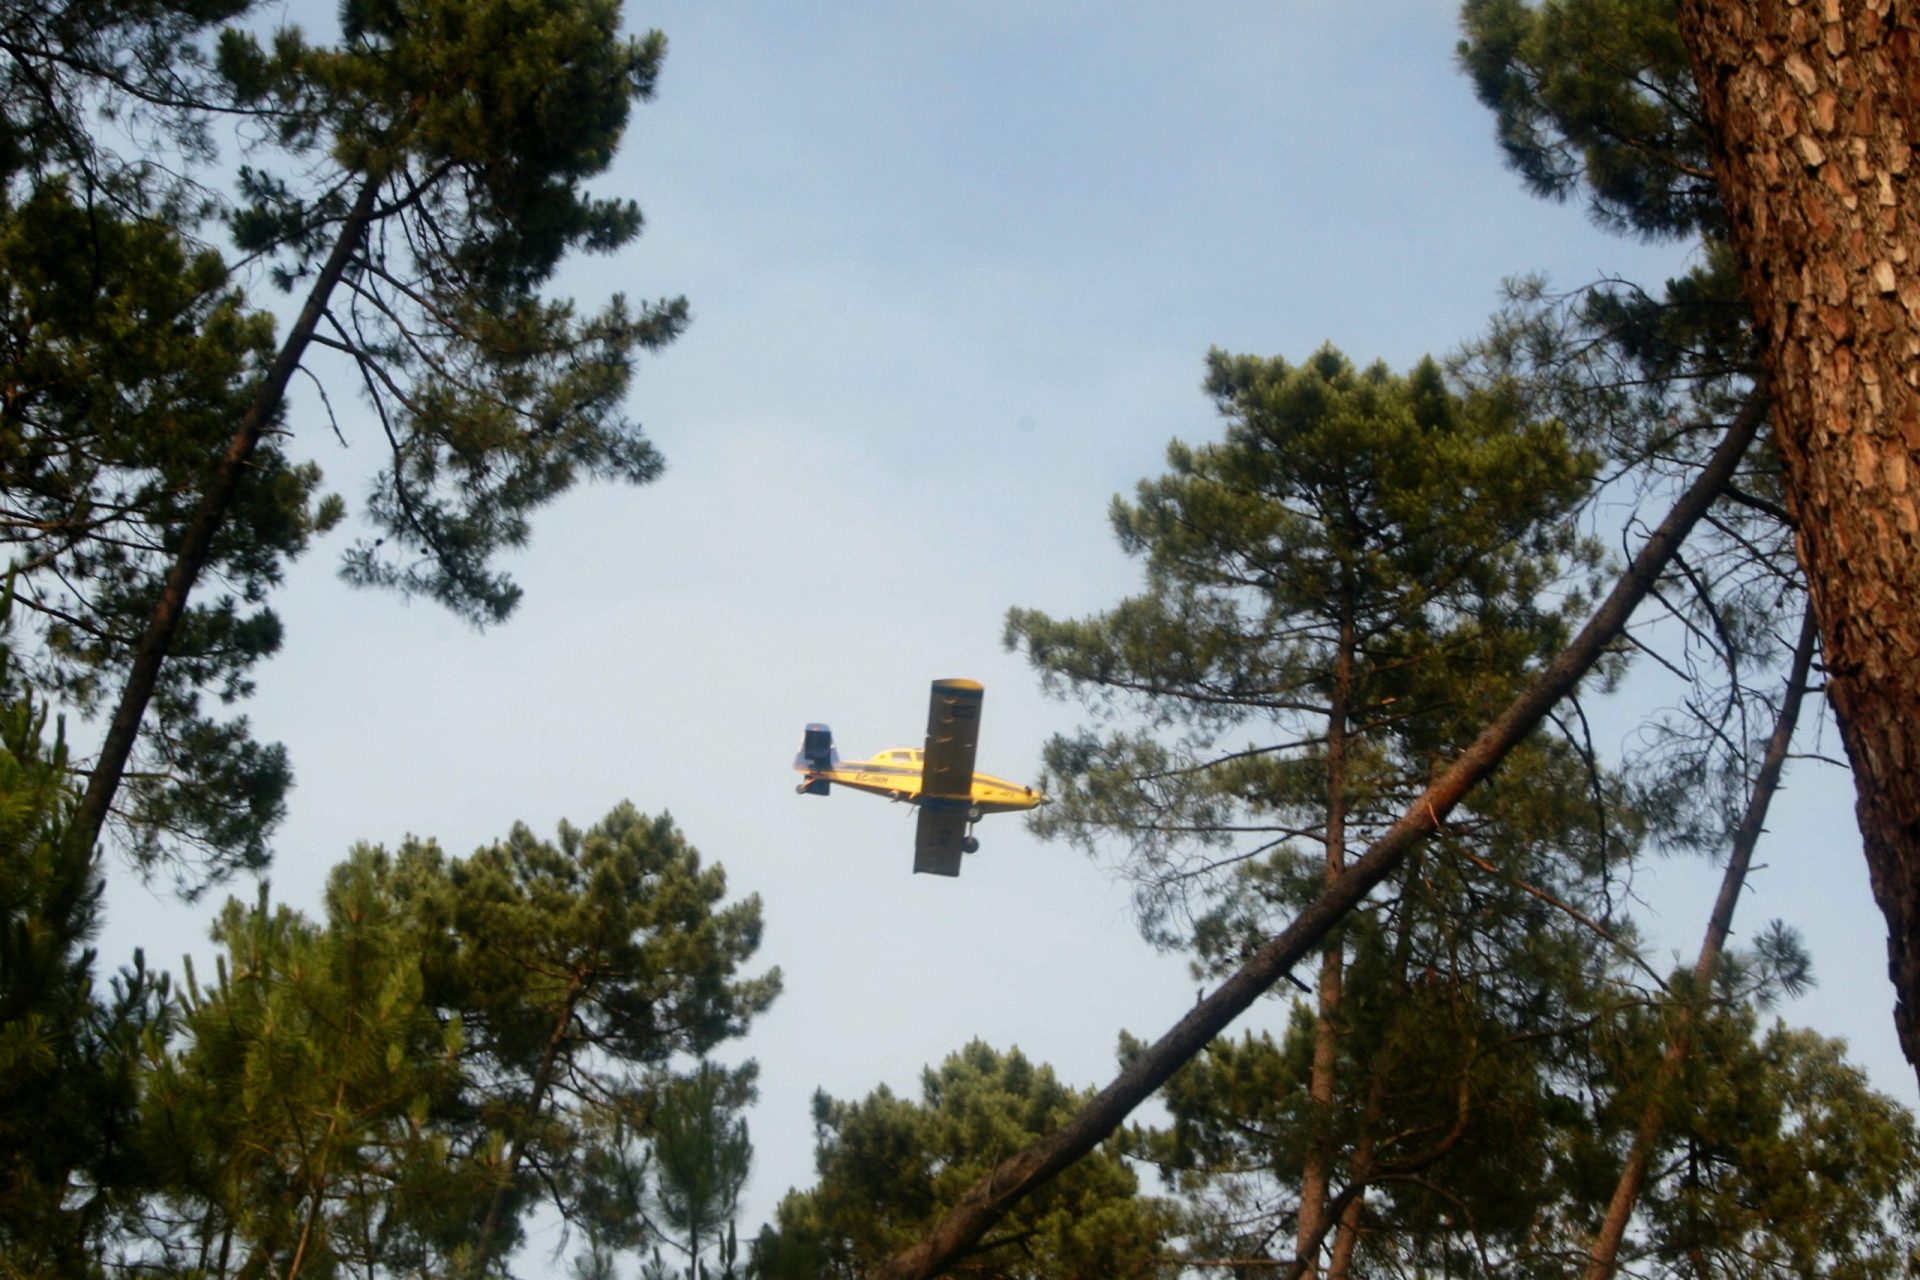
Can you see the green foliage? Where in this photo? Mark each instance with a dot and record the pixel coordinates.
(677, 1187)
(1455, 1060)
(364, 1091)
(1597, 94)
(1776, 1159)
(69, 1060)
(701, 1156)
(475, 123)
(129, 354)
(426, 176)
(1337, 596)
(1353, 517)
(611, 941)
(1785, 1160)
(890, 1167)
(134, 63)
(1451, 1119)
(394, 1090)
(294, 1122)
(123, 379)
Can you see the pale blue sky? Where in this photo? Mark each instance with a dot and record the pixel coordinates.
(953, 272)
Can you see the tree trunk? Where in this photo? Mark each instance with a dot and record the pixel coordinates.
(196, 539)
(484, 1243)
(1604, 1257)
(989, 1199)
(1366, 1150)
(1316, 1170)
(1815, 110)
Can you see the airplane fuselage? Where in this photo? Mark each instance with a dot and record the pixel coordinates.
(897, 774)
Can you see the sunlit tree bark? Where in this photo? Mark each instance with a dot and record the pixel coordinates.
(1813, 111)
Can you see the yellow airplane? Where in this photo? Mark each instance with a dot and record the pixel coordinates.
(939, 779)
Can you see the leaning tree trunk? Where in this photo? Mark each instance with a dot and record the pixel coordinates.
(1603, 1259)
(214, 508)
(1815, 108)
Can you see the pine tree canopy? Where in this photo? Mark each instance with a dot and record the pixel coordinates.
(1351, 521)
(1597, 95)
(71, 1049)
(420, 184)
(889, 1166)
(460, 1042)
(454, 138)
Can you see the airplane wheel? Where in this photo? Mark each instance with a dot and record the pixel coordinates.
(800, 790)
(969, 845)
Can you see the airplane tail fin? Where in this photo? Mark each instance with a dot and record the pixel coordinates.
(817, 756)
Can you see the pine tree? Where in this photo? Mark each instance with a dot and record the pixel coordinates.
(129, 351)
(701, 1157)
(1694, 988)
(1021, 1174)
(1777, 1159)
(419, 183)
(439, 153)
(888, 1166)
(1668, 383)
(1683, 119)
(289, 1121)
(1593, 99)
(1337, 594)
(597, 958)
(70, 1060)
(394, 1090)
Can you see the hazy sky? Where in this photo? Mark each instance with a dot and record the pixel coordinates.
(953, 272)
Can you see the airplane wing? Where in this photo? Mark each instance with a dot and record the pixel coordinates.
(936, 841)
(953, 733)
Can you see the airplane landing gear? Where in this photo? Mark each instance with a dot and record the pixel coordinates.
(968, 844)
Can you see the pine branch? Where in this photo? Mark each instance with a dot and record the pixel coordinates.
(196, 541)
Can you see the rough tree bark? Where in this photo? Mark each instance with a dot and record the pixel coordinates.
(989, 1199)
(1815, 110)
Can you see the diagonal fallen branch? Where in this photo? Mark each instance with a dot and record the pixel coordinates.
(988, 1200)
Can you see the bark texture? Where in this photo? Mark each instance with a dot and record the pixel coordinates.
(1815, 109)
